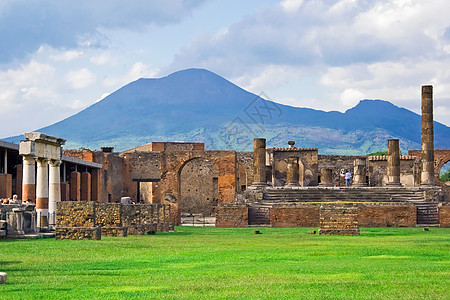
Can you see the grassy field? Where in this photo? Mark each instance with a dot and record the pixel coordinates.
(205, 263)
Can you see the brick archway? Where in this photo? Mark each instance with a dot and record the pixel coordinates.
(441, 157)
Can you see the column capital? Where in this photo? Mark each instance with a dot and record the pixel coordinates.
(42, 161)
(55, 162)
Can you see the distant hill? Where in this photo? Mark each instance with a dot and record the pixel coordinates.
(198, 105)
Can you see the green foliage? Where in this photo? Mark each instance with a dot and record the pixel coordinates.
(444, 177)
(211, 263)
(379, 153)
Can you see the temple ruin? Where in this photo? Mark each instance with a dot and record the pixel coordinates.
(280, 187)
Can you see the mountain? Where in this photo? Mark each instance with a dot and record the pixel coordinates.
(198, 105)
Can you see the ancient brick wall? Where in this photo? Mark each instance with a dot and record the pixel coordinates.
(444, 215)
(245, 173)
(80, 154)
(337, 163)
(339, 219)
(387, 215)
(108, 214)
(294, 216)
(110, 177)
(5, 185)
(231, 216)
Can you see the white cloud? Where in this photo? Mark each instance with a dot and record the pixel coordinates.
(102, 59)
(138, 70)
(67, 55)
(80, 79)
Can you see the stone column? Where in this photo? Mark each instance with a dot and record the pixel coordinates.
(5, 171)
(54, 193)
(393, 168)
(292, 172)
(42, 193)
(86, 186)
(427, 176)
(75, 186)
(29, 179)
(326, 177)
(259, 162)
(359, 171)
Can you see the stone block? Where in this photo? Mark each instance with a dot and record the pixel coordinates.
(232, 216)
(444, 215)
(3, 277)
(114, 231)
(78, 233)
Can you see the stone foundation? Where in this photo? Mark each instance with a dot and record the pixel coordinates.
(444, 215)
(78, 233)
(114, 231)
(339, 219)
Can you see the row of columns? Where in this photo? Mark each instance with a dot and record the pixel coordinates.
(44, 189)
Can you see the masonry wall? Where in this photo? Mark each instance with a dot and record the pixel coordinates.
(444, 215)
(232, 216)
(391, 215)
(295, 216)
(409, 171)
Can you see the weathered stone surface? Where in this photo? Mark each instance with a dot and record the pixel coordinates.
(339, 231)
(3, 277)
(393, 167)
(427, 176)
(231, 216)
(339, 219)
(387, 215)
(444, 215)
(294, 216)
(78, 233)
(114, 231)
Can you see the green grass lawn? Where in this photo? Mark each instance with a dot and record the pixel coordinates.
(205, 263)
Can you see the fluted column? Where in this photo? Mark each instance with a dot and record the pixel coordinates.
(427, 176)
(359, 171)
(393, 168)
(54, 192)
(292, 172)
(29, 179)
(42, 192)
(259, 162)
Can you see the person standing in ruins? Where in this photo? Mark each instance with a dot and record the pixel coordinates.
(348, 178)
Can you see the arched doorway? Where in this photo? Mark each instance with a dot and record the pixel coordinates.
(199, 190)
(444, 173)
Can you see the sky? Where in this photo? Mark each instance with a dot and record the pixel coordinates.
(59, 57)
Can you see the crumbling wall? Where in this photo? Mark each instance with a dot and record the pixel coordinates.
(339, 164)
(444, 215)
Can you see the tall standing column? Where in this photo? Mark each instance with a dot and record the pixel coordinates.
(427, 176)
(359, 171)
(29, 179)
(5, 158)
(393, 169)
(259, 162)
(292, 172)
(54, 192)
(42, 193)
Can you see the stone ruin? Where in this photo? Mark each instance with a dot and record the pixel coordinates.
(280, 187)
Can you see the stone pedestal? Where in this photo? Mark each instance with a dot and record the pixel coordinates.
(15, 222)
(393, 168)
(339, 219)
(259, 163)
(292, 172)
(427, 175)
(326, 177)
(359, 171)
(3, 277)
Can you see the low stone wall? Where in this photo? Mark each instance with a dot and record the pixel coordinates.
(231, 216)
(339, 219)
(444, 215)
(78, 233)
(294, 216)
(387, 215)
(115, 231)
(114, 219)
